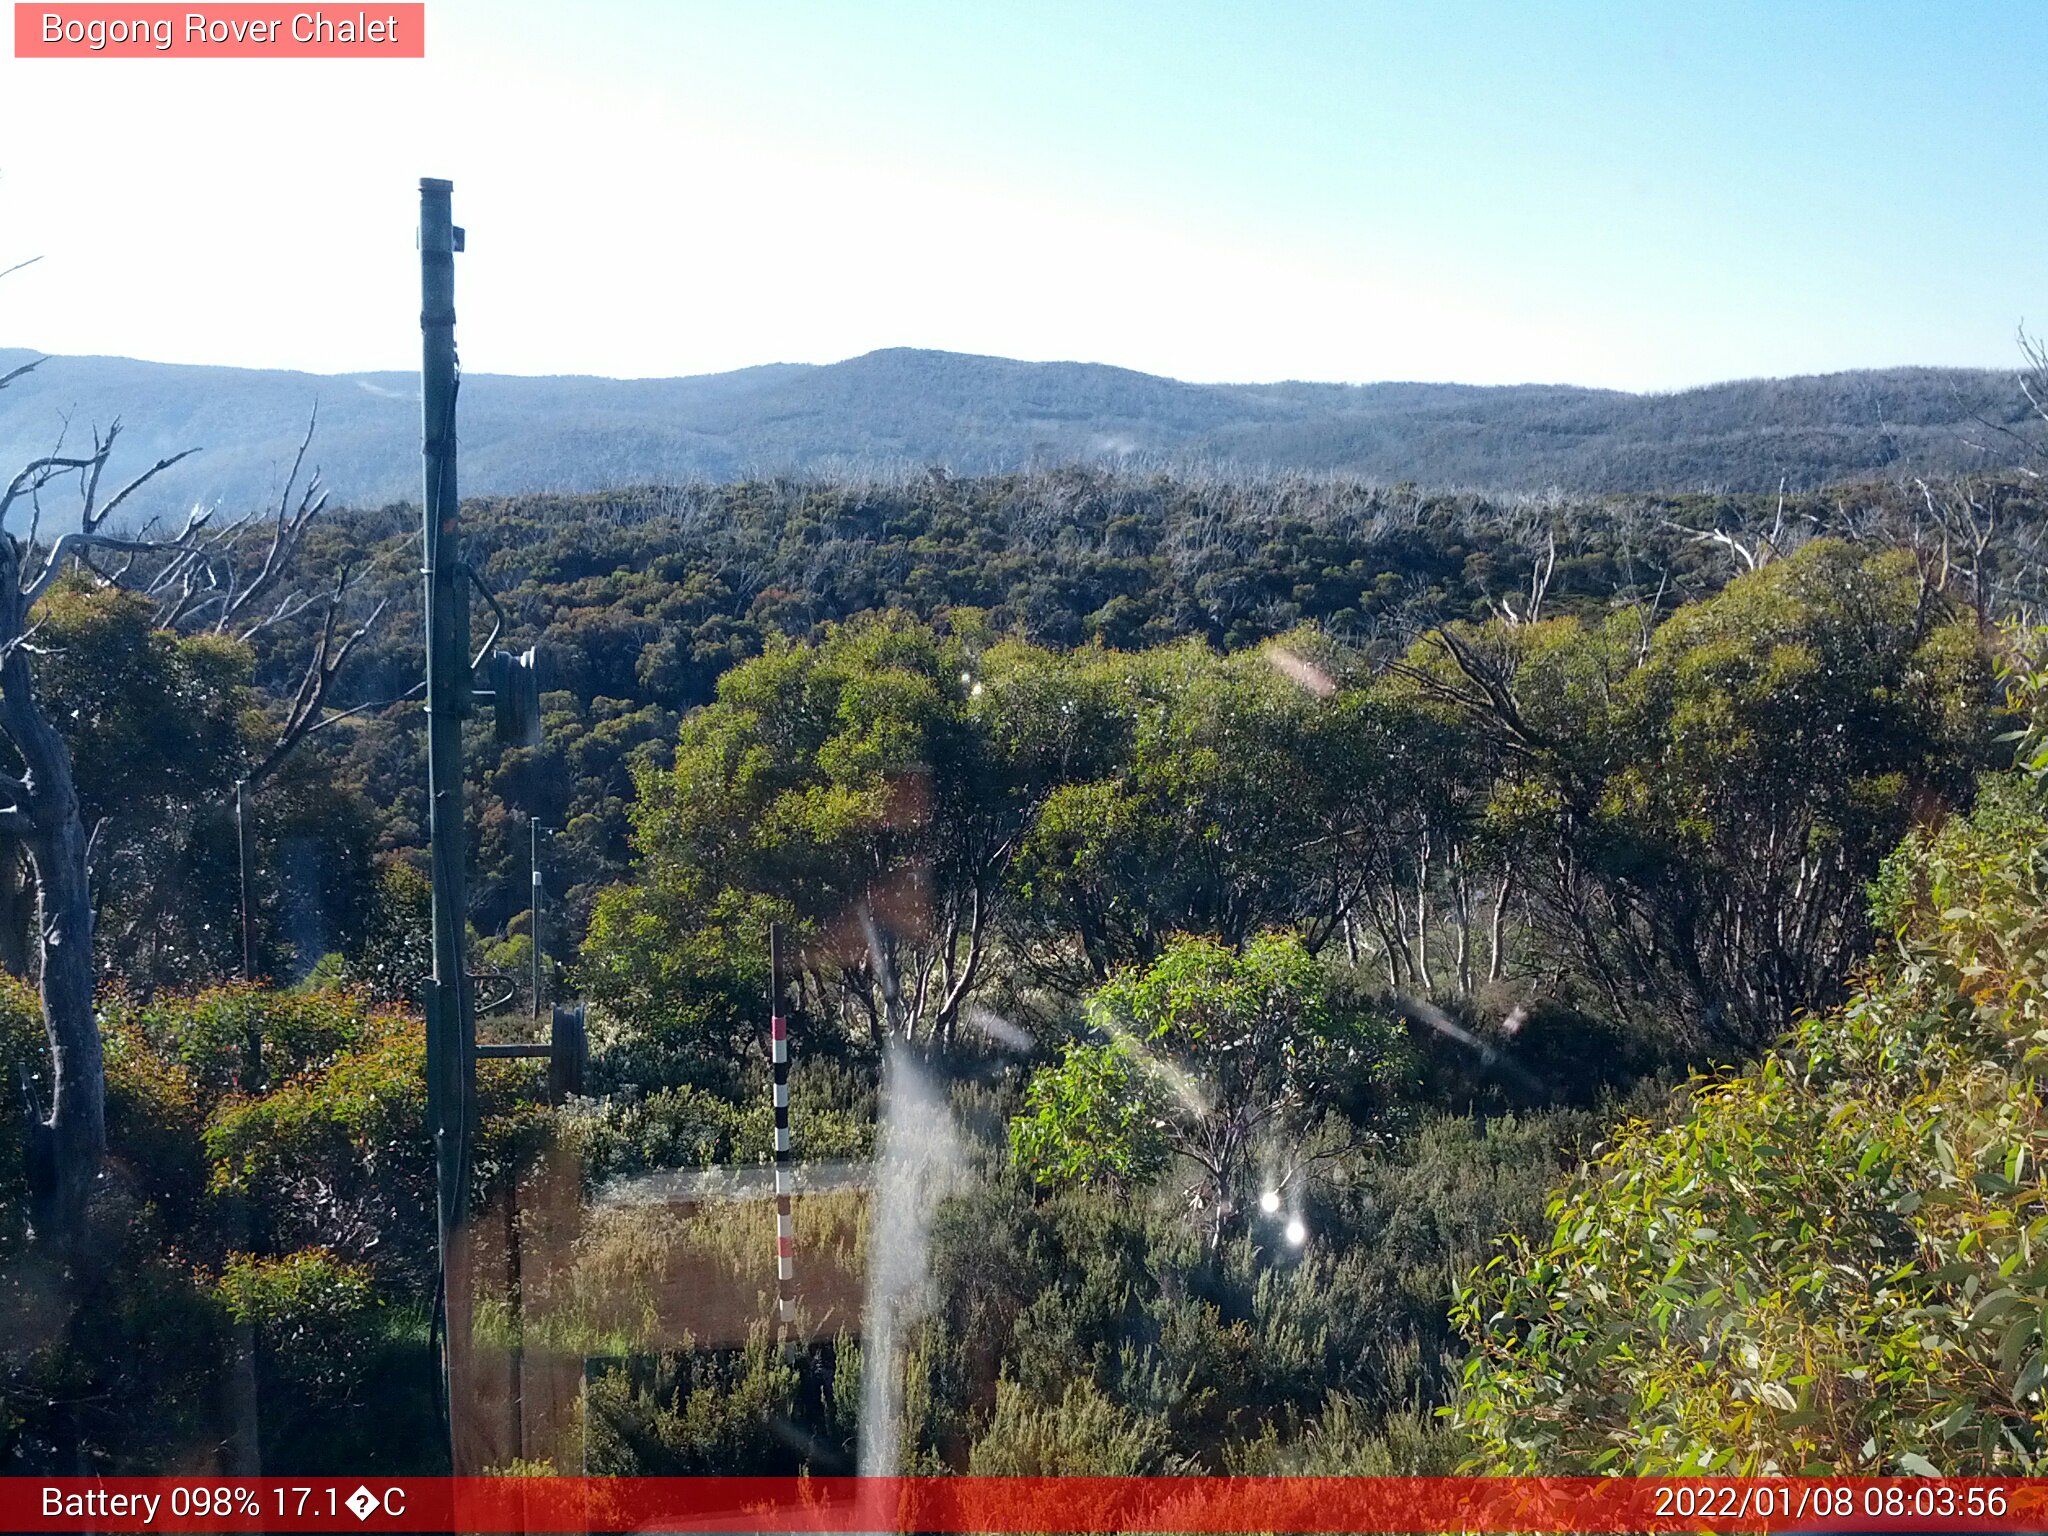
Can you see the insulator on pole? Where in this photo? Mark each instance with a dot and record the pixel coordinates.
(515, 690)
(568, 1052)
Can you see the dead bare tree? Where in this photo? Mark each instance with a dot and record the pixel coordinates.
(2032, 379)
(199, 577)
(67, 1138)
(1962, 525)
(1752, 551)
(1543, 565)
(1751, 554)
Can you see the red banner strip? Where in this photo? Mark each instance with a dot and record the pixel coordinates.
(1019, 1504)
(223, 31)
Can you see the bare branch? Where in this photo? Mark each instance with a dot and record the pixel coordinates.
(340, 715)
(139, 482)
(1489, 694)
(309, 701)
(287, 529)
(77, 544)
(1752, 559)
(1539, 578)
(26, 368)
(102, 450)
(36, 474)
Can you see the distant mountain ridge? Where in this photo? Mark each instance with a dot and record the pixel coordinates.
(904, 408)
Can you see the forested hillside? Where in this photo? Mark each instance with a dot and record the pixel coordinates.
(1253, 897)
(641, 601)
(903, 410)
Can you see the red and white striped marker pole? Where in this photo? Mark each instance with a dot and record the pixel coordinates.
(785, 1226)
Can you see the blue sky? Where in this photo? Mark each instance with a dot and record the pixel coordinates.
(1642, 195)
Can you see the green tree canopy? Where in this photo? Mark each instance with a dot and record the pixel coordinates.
(1697, 807)
(841, 786)
(1178, 790)
(1833, 1261)
(1226, 1058)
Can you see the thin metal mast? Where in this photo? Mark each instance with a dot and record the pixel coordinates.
(533, 928)
(248, 919)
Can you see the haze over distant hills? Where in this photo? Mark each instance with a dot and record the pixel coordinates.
(904, 408)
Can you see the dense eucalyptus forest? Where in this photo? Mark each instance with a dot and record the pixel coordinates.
(1361, 980)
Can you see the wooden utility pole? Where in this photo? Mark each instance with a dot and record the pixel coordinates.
(450, 1008)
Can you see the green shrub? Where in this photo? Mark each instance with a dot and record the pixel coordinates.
(339, 1155)
(396, 951)
(24, 1061)
(1226, 1059)
(1350, 1438)
(341, 1377)
(1833, 1263)
(154, 1122)
(744, 1412)
(221, 1034)
(831, 1113)
(1084, 1434)
(305, 1305)
(670, 1128)
(120, 1367)
(1092, 1118)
